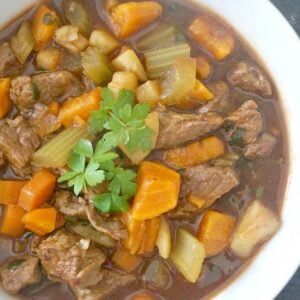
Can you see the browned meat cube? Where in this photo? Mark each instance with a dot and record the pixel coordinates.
(20, 272)
(9, 65)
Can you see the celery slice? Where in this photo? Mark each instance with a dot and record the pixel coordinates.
(96, 65)
(159, 61)
(55, 153)
(78, 16)
(161, 35)
(22, 44)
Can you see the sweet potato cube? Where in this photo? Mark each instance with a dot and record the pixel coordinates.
(131, 17)
(10, 191)
(142, 235)
(203, 67)
(126, 261)
(158, 190)
(5, 102)
(11, 221)
(212, 36)
(201, 92)
(195, 153)
(214, 231)
(257, 225)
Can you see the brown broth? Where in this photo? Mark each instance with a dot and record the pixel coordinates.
(271, 173)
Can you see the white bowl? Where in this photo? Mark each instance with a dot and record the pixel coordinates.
(279, 48)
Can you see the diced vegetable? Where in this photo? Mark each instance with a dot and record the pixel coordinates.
(109, 4)
(196, 201)
(54, 108)
(70, 38)
(55, 153)
(152, 122)
(227, 160)
(149, 93)
(180, 80)
(104, 40)
(158, 190)
(214, 231)
(77, 15)
(212, 36)
(129, 61)
(159, 61)
(48, 59)
(126, 17)
(203, 67)
(187, 255)
(201, 92)
(123, 80)
(195, 153)
(142, 235)
(40, 221)
(161, 35)
(81, 106)
(22, 43)
(5, 102)
(11, 221)
(164, 239)
(10, 190)
(257, 225)
(88, 232)
(37, 191)
(126, 261)
(97, 66)
(44, 25)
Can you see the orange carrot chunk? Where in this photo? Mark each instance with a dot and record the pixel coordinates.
(195, 153)
(214, 231)
(37, 191)
(142, 235)
(10, 191)
(158, 190)
(203, 67)
(5, 102)
(44, 25)
(54, 108)
(11, 221)
(81, 106)
(131, 17)
(40, 221)
(212, 36)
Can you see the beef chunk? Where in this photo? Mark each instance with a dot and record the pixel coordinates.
(20, 272)
(261, 148)
(57, 86)
(110, 282)
(70, 205)
(176, 128)
(250, 79)
(208, 183)
(43, 121)
(106, 224)
(18, 141)
(23, 93)
(220, 102)
(68, 258)
(247, 124)
(9, 65)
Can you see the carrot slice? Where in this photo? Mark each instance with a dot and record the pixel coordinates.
(158, 190)
(5, 102)
(44, 25)
(214, 231)
(10, 191)
(11, 221)
(40, 221)
(37, 191)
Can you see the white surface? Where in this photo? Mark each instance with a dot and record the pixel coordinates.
(279, 47)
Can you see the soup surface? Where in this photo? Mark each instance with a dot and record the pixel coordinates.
(142, 152)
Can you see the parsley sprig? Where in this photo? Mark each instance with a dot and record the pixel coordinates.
(120, 122)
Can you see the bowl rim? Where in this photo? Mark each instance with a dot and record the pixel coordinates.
(258, 31)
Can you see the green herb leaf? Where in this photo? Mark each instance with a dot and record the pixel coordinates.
(93, 175)
(67, 176)
(78, 183)
(84, 147)
(76, 162)
(103, 202)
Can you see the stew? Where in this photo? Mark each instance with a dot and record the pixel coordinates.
(143, 151)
